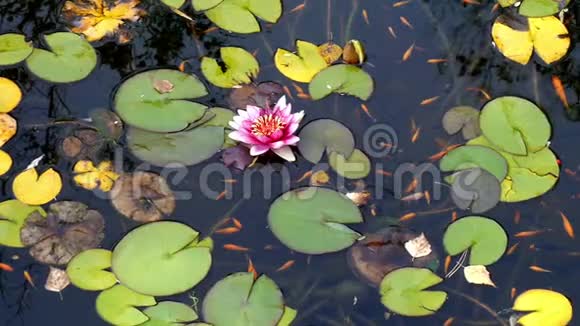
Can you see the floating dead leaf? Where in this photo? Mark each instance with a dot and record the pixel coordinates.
(84, 143)
(418, 247)
(99, 18)
(478, 274)
(163, 86)
(359, 198)
(143, 197)
(379, 253)
(69, 228)
(330, 51)
(262, 95)
(354, 53)
(7, 128)
(57, 280)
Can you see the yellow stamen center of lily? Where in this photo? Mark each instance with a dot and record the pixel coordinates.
(267, 124)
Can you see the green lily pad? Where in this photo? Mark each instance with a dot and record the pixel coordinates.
(357, 166)
(287, 317)
(70, 59)
(240, 68)
(221, 118)
(542, 8)
(160, 259)
(13, 214)
(341, 79)
(157, 100)
(201, 5)
(528, 176)
(169, 313)
(515, 125)
(187, 147)
(403, 292)
(464, 119)
(117, 306)
(238, 15)
(310, 220)
(87, 270)
(473, 156)
(238, 300)
(325, 134)
(14, 49)
(475, 189)
(485, 238)
(174, 3)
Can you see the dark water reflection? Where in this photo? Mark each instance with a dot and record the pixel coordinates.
(323, 290)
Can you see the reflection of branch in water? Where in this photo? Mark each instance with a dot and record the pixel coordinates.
(15, 297)
(478, 303)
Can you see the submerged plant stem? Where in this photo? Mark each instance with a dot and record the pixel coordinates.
(480, 304)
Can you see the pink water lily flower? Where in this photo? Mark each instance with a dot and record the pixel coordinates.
(264, 129)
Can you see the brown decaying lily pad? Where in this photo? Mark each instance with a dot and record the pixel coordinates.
(143, 196)
(265, 94)
(84, 143)
(380, 253)
(69, 228)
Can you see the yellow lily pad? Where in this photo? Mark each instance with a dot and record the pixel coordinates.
(90, 177)
(516, 37)
(5, 162)
(32, 189)
(7, 128)
(546, 308)
(303, 66)
(11, 95)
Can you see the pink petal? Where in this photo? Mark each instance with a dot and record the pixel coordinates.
(256, 150)
(285, 153)
(239, 119)
(253, 112)
(292, 140)
(243, 114)
(241, 137)
(234, 125)
(287, 110)
(291, 128)
(297, 117)
(281, 104)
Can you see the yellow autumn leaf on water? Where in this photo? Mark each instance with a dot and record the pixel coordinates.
(97, 19)
(90, 177)
(7, 128)
(32, 189)
(303, 66)
(10, 95)
(5, 162)
(546, 308)
(516, 37)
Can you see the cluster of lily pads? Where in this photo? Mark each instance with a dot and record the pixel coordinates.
(68, 57)
(313, 220)
(509, 161)
(530, 26)
(186, 133)
(314, 64)
(167, 258)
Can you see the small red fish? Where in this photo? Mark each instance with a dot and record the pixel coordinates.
(235, 247)
(6, 267)
(285, 266)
